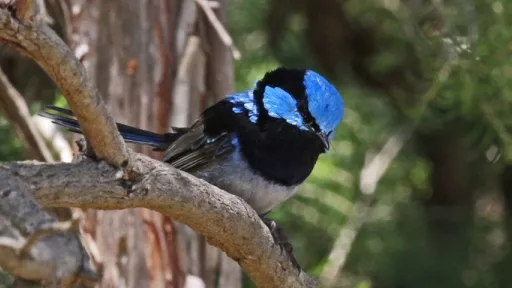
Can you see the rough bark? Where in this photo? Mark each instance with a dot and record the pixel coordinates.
(33, 245)
(127, 49)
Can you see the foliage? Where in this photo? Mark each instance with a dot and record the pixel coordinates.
(446, 69)
(11, 147)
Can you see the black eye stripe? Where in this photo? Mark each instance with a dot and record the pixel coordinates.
(302, 106)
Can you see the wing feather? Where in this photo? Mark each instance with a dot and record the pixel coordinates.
(195, 148)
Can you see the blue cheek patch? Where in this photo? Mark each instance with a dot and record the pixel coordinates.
(280, 104)
(324, 101)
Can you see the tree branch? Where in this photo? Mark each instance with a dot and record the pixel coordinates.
(224, 219)
(38, 41)
(223, 34)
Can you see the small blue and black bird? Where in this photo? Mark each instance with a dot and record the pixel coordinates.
(258, 144)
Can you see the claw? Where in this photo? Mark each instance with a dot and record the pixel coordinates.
(281, 240)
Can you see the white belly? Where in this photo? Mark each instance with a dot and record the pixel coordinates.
(234, 175)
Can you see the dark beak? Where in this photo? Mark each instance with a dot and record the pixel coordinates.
(325, 140)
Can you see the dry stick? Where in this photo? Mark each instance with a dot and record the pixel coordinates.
(182, 83)
(14, 107)
(217, 25)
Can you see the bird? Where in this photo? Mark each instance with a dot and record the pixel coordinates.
(260, 144)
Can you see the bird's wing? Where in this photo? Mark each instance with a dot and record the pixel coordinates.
(199, 145)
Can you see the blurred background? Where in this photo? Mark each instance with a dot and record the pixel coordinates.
(417, 189)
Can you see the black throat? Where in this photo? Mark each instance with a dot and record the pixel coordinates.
(277, 150)
(282, 153)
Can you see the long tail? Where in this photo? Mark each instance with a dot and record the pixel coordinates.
(130, 134)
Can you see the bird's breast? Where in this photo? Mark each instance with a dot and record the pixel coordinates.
(281, 153)
(234, 175)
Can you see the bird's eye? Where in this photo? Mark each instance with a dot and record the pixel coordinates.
(309, 125)
(308, 121)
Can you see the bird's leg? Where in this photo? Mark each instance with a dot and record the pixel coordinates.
(281, 240)
(84, 150)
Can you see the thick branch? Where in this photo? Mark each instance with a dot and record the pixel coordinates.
(224, 219)
(38, 41)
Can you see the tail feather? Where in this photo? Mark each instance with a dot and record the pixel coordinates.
(130, 134)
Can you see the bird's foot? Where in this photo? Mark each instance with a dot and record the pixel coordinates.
(281, 240)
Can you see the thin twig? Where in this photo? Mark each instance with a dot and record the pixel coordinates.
(378, 164)
(213, 4)
(221, 31)
(14, 107)
(182, 84)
